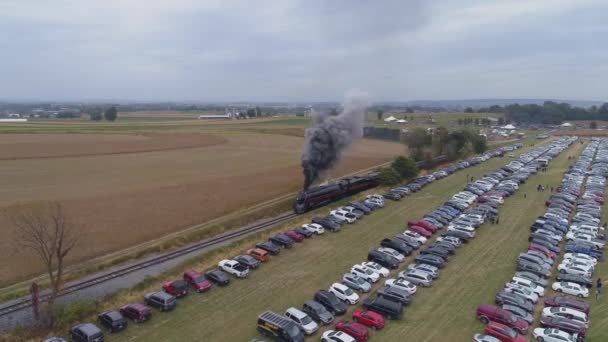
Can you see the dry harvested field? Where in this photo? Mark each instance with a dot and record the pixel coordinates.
(126, 187)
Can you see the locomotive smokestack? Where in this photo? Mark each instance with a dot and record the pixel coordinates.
(329, 136)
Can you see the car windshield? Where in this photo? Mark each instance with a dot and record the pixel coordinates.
(359, 281)
(368, 271)
(512, 333)
(199, 279)
(348, 292)
(306, 320)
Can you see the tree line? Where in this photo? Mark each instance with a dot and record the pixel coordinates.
(548, 113)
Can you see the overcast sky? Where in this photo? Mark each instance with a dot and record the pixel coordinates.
(308, 50)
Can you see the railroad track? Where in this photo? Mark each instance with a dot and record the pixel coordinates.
(27, 302)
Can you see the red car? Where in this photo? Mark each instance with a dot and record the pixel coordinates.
(542, 249)
(422, 223)
(356, 330)
(421, 231)
(137, 312)
(567, 302)
(197, 281)
(178, 288)
(294, 236)
(369, 318)
(503, 333)
(490, 313)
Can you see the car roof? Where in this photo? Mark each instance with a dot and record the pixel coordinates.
(339, 286)
(296, 312)
(88, 328)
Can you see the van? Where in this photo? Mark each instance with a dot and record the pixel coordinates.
(385, 307)
(279, 328)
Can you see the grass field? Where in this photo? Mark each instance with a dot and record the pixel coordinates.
(473, 276)
(144, 180)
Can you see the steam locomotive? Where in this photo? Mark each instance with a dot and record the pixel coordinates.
(321, 195)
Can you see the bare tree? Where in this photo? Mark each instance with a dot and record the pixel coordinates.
(44, 229)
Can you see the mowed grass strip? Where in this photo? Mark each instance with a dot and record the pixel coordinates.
(598, 316)
(229, 314)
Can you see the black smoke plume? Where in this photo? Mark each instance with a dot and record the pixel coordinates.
(330, 136)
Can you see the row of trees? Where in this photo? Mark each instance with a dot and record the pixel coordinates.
(401, 169)
(548, 113)
(97, 114)
(425, 145)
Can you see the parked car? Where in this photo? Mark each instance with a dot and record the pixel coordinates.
(355, 330)
(484, 338)
(366, 273)
(304, 232)
(177, 288)
(564, 324)
(503, 333)
(138, 313)
(279, 327)
(552, 335)
(160, 300)
(112, 320)
(383, 259)
(336, 336)
(259, 254)
(490, 313)
(571, 289)
(402, 284)
(217, 277)
(356, 283)
(383, 271)
(302, 320)
(269, 247)
(557, 301)
(417, 277)
(295, 236)
(394, 294)
(282, 240)
(369, 318)
(317, 312)
(314, 228)
(247, 261)
(233, 267)
(386, 308)
(197, 281)
(566, 313)
(86, 332)
(344, 293)
(331, 302)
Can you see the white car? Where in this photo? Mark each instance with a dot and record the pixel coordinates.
(314, 228)
(552, 335)
(496, 199)
(402, 284)
(572, 234)
(375, 197)
(391, 252)
(233, 267)
(377, 267)
(571, 289)
(431, 270)
(465, 230)
(302, 320)
(368, 274)
(374, 202)
(450, 239)
(575, 269)
(564, 312)
(346, 216)
(590, 239)
(461, 227)
(336, 336)
(580, 256)
(525, 283)
(344, 293)
(415, 235)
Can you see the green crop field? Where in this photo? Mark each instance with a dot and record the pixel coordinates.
(473, 275)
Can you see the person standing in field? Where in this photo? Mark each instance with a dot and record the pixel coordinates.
(597, 294)
(599, 285)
